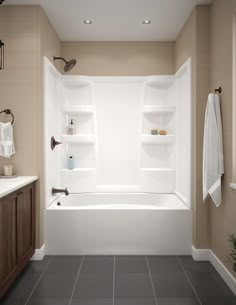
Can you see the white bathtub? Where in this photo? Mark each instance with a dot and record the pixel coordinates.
(105, 223)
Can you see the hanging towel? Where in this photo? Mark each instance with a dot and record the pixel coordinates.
(213, 159)
(7, 147)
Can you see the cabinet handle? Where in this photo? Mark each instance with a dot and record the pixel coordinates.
(19, 193)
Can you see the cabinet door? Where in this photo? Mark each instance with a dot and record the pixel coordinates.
(25, 224)
(8, 240)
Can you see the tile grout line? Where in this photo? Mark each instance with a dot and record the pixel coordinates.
(114, 280)
(149, 271)
(76, 280)
(189, 280)
(38, 280)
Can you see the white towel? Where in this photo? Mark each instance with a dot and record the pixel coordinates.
(7, 147)
(213, 159)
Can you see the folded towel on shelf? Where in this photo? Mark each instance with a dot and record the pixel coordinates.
(7, 148)
(213, 159)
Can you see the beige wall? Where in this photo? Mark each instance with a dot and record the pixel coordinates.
(121, 58)
(223, 219)
(212, 24)
(28, 35)
(193, 41)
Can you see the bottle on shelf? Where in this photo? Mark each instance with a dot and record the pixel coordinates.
(70, 163)
(71, 127)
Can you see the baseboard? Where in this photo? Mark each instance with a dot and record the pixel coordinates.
(224, 272)
(208, 255)
(200, 254)
(39, 254)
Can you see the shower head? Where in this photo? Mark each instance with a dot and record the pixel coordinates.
(68, 64)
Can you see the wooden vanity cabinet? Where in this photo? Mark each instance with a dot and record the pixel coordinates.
(17, 233)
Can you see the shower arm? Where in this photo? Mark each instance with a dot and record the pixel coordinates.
(55, 58)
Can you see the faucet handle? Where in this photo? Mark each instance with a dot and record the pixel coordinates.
(54, 143)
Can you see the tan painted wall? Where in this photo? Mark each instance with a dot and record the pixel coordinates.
(28, 35)
(193, 41)
(223, 219)
(121, 58)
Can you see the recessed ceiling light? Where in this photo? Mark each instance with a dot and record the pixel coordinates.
(147, 21)
(88, 22)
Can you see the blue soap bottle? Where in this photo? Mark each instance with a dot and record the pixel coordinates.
(71, 163)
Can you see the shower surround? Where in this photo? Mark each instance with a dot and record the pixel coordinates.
(118, 160)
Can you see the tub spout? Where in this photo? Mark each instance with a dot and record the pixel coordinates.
(55, 191)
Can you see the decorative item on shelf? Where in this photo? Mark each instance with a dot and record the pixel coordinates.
(232, 256)
(162, 132)
(70, 163)
(1, 55)
(154, 132)
(71, 127)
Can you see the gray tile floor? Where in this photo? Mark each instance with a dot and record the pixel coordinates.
(119, 280)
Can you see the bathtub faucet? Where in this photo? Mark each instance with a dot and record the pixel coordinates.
(55, 191)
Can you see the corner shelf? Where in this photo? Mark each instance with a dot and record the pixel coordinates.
(163, 82)
(158, 169)
(76, 82)
(78, 109)
(78, 139)
(155, 109)
(157, 139)
(81, 169)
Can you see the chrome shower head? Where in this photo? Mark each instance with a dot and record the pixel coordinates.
(68, 64)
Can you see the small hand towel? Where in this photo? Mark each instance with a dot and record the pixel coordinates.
(213, 159)
(7, 148)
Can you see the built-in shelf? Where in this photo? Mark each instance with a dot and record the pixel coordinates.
(79, 139)
(84, 169)
(158, 169)
(76, 82)
(78, 109)
(163, 82)
(155, 109)
(157, 139)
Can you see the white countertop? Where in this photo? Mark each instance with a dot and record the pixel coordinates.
(8, 186)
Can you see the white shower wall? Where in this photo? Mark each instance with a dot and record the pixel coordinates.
(118, 113)
(112, 147)
(183, 130)
(52, 121)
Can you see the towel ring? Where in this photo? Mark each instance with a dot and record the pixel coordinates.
(8, 111)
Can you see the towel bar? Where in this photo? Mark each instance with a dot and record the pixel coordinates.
(8, 111)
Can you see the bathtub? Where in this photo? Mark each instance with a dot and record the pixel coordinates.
(116, 223)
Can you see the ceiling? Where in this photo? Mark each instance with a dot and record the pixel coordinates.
(116, 20)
